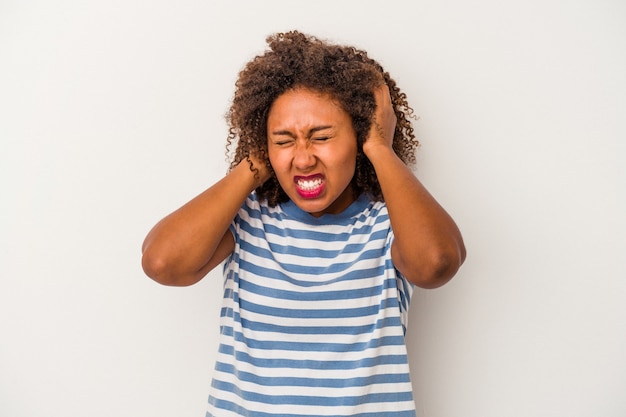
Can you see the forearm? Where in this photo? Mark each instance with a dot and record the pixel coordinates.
(428, 248)
(189, 242)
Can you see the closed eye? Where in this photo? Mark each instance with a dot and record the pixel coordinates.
(283, 142)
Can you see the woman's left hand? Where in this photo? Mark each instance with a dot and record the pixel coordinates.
(383, 124)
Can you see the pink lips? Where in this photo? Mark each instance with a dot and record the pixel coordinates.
(310, 186)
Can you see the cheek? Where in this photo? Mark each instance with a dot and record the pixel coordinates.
(348, 159)
(279, 163)
(273, 158)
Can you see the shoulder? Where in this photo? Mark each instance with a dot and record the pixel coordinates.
(256, 209)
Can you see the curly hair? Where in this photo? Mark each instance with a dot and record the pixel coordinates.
(344, 73)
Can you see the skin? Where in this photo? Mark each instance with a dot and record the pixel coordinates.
(311, 140)
(428, 248)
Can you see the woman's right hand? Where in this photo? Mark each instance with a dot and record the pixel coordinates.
(184, 246)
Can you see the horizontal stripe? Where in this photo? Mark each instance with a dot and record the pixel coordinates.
(278, 353)
(272, 345)
(332, 373)
(303, 279)
(314, 330)
(318, 295)
(326, 313)
(350, 240)
(311, 399)
(312, 364)
(307, 309)
(388, 390)
(320, 346)
(316, 263)
(291, 381)
(237, 410)
(264, 327)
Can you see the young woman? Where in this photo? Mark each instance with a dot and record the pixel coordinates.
(323, 231)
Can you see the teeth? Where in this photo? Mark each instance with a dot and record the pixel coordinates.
(310, 184)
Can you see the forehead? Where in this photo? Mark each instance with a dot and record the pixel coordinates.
(303, 107)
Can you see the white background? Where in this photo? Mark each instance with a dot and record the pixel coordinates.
(111, 116)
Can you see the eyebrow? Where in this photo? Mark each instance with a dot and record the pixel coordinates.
(311, 131)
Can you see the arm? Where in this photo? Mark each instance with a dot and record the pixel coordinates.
(428, 248)
(184, 246)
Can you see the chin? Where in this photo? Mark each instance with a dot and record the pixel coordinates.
(315, 208)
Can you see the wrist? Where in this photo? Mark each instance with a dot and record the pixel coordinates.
(377, 151)
(255, 171)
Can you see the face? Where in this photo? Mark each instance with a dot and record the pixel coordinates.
(312, 149)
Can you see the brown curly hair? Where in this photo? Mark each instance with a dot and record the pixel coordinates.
(344, 73)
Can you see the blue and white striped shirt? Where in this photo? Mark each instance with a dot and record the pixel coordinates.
(313, 316)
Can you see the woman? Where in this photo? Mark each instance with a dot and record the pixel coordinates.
(324, 231)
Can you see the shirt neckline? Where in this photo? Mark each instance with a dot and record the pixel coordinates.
(357, 206)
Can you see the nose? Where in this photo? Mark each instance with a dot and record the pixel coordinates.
(303, 157)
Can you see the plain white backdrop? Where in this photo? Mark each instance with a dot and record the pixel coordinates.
(111, 116)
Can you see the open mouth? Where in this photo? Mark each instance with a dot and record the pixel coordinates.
(309, 187)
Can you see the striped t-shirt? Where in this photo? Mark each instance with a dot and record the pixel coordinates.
(313, 316)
